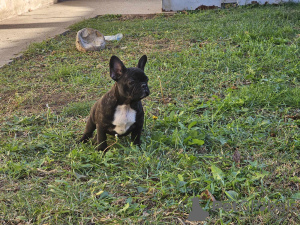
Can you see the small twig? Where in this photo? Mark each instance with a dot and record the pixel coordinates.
(180, 220)
(116, 136)
(47, 172)
(161, 90)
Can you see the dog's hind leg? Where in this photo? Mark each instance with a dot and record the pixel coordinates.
(89, 129)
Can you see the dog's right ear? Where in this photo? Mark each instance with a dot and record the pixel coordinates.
(116, 68)
(142, 62)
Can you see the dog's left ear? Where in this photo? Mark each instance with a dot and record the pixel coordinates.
(116, 67)
(142, 62)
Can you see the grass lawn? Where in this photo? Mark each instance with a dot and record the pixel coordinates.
(222, 122)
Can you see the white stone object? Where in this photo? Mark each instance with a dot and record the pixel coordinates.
(89, 39)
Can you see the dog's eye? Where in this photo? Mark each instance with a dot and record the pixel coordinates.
(131, 82)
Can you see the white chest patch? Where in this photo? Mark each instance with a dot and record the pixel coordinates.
(124, 117)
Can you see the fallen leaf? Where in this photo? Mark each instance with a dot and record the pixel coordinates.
(206, 195)
(293, 117)
(237, 157)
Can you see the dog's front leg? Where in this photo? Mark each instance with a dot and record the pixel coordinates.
(101, 139)
(89, 129)
(136, 135)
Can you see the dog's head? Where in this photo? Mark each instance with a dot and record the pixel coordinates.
(132, 82)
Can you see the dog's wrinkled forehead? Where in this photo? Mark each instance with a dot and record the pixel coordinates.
(136, 74)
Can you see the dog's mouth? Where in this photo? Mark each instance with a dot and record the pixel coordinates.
(145, 94)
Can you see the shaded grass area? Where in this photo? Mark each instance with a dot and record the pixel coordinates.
(227, 122)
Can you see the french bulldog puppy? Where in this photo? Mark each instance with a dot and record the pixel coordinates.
(120, 111)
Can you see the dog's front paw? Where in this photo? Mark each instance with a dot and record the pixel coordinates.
(137, 142)
(81, 140)
(84, 139)
(102, 147)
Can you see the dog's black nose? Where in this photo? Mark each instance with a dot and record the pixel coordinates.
(146, 89)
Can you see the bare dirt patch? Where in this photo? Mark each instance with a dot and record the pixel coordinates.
(38, 101)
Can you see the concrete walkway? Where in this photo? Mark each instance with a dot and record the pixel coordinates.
(18, 32)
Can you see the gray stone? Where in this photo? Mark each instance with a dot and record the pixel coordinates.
(88, 39)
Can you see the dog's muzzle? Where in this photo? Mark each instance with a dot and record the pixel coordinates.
(146, 90)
